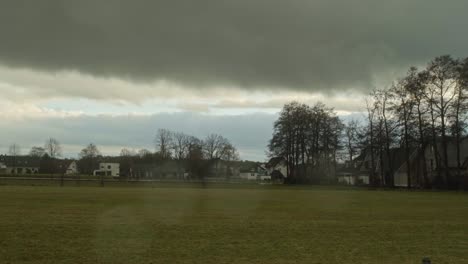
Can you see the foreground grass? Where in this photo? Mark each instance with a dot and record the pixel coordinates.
(230, 225)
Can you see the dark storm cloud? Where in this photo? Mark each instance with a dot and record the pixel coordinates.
(300, 44)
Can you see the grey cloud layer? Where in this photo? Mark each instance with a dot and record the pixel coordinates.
(301, 44)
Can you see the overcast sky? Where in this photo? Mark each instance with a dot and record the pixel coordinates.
(114, 71)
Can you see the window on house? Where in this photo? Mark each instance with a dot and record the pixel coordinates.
(109, 167)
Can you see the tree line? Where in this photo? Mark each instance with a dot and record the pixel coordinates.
(190, 152)
(421, 113)
(169, 145)
(425, 108)
(308, 138)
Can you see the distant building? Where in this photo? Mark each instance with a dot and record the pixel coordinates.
(354, 172)
(223, 169)
(216, 169)
(456, 176)
(248, 175)
(108, 169)
(19, 164)
(257, 172)
(168, 169)
(67, 167)
(393, 170)
(277, 169)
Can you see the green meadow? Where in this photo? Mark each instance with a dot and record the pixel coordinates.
(230, 224)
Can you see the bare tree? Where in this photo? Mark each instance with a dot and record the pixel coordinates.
(416, 86)
(127, 153)
(371, 112)
(126, 162)
(213, 146)
(351, 137)
(90, 151)
(404, 111)
(442, 82)
(229, 152)
(195, 157)
(14, 150)
(37, 152)
(384, 101)
(180, 145)
(308, 139)
(163, 142)
(144, 153)
(53, 148)
(88, 158)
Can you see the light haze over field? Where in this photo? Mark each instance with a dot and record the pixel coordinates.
(113, 71)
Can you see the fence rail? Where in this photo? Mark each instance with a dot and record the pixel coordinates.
(68, 181)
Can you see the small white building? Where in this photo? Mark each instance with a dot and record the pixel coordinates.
(264, 177)
(108, 169)
(72, 168)
(67, 167)
(350, 179)
(277, 168)
(19, 164)
(249, 175)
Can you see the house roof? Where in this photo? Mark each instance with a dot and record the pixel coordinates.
(20, 161)
(277, 174)
(273, 162)
(347, 170)
(62, 165)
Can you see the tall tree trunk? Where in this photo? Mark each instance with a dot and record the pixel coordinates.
(407, 155)
(389, 171)
(422, 146)
(372, 167)
(434, 145)
(444, 149)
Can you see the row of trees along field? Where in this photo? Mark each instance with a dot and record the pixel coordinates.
(169, 146)
(425, 107)
(195, 153)
(51, 151)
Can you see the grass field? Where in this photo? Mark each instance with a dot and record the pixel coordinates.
(268, 224)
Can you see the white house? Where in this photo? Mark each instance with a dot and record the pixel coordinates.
(249, 175)
(276, 168)
(67, 167)
(108, 169)
(19, 165)
(351, 179)
(264, 177)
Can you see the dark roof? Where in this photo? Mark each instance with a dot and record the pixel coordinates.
(62, 165)
(465, 164)
(273, 162)
(20, 161)
(277, 175)
(398, 156)
(361, 156)
(347, 170)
